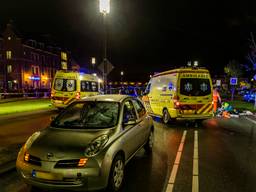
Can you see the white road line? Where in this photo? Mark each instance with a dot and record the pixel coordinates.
(176, 164)
(195, 179)
(251, 120)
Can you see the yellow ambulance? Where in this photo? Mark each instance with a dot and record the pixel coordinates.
(70, 86)
(182, 94)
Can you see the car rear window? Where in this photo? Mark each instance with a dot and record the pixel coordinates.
(68, 85)
(195, 87)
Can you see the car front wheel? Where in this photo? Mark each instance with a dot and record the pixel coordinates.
(116, 174)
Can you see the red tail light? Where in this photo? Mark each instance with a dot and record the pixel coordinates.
(52, 94)
(77, 95)
(176, 101)
(176, 97)
(176, 104)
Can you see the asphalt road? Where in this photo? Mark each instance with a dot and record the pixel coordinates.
(218, 156)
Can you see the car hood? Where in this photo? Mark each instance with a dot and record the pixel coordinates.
(64, 144)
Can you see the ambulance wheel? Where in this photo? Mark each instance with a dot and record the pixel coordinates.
(166, 116)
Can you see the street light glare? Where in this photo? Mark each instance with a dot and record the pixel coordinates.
(122, 73)
(104, 6)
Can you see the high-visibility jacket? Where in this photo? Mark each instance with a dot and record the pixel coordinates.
(216, 96)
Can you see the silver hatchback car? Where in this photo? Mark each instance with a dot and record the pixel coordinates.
(87, 145)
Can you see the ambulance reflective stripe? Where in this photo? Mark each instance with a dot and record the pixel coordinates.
(205, 108)
(208, 110)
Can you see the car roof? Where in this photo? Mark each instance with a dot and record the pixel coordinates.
(109, 97)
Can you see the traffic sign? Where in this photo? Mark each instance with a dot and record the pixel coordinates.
(233, 81)
(218, 82)
(108, 68)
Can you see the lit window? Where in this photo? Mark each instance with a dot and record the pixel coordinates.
(9, 38)
(8, 54)
(64, 56)
(9, 68)
(64, 65)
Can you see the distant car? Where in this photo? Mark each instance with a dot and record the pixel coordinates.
(131, 91)
(249, 96)
(87, 145)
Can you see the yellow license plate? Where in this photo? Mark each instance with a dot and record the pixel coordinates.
(46, 175)
(58, 102)
(189, 111)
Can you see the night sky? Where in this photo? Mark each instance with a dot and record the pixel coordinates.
(144, 36)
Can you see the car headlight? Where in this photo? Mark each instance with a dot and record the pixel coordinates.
(96, 145)
(31, 139)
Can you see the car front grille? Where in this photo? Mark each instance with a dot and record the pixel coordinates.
(67, 163)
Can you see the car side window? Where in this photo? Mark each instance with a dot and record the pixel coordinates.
(129, 112)
(139, 108)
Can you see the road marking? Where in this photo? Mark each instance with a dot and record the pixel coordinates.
(251, 120)
(176, 164)
(195, 178)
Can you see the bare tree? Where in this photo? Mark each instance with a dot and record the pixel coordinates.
(251, 56)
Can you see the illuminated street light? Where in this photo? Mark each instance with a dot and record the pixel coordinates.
(105, 9)
(93, 61)
(104, 6)
(122, 74)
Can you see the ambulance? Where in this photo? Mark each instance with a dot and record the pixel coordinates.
(70, 86)
(180, 94)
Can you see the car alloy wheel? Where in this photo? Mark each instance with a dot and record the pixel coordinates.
(166, 116)
(116, 174)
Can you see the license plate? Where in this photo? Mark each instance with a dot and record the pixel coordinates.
(187, 112)
(58, 102)
(46, 175)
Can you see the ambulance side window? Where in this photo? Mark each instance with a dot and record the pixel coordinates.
(147, 90)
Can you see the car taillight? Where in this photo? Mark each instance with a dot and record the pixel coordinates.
(176, 104)
(77, 95)
(176, 101)
(176, 97)
(52, 93)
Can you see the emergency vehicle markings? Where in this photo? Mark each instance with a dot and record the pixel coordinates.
(176, 164)
(195, 173)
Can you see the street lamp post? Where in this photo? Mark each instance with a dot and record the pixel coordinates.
(122, 74)
(105, 9)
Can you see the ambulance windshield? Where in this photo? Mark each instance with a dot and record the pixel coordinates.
(195, 87)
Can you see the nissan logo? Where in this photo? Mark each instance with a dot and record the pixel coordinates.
(49, 155)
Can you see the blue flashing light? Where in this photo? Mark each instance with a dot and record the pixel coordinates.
(34, 78)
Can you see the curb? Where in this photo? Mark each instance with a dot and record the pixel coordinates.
(7, 166)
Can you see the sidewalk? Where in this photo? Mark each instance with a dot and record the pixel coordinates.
(9, 154)
(24, 106)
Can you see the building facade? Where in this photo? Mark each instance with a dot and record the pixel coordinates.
(28, 64)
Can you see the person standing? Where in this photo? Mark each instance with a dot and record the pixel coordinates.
(216, 99)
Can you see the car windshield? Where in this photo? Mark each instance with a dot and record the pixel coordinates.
(195, 87)
(88, 115)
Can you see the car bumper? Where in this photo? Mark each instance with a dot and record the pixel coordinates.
(194, 117)
(76, 179)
